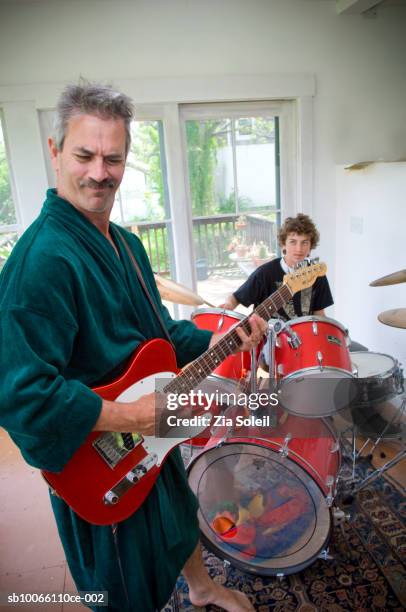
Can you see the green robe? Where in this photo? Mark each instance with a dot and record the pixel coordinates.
(72, 313)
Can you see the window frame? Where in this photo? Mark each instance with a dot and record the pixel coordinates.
(7, 228)
(161, 98)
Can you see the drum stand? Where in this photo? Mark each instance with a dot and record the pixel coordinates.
(275, 326)
(356, 484)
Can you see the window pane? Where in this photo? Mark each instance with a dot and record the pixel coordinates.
(142, 192)
(142, 203)
(234, 185)
(7, 210)
(7, 242)
(210, 162)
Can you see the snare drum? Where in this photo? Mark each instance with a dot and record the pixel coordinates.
(264, 504)
(219, 320)
(313, 367)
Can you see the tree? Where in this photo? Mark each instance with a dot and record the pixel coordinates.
(145, 157)
(203, 140)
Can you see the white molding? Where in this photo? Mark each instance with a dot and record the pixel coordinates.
(356, 7)
(305, 177)
(26, 159)
(178, 198)
(181, 89)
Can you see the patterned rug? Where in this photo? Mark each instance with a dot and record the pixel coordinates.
(367, 570)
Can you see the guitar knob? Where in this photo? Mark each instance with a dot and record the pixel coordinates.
(110, 498)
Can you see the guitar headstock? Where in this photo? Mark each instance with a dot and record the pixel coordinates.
(304, 277)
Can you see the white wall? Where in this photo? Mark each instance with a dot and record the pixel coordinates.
(371, 230)
(358, 62)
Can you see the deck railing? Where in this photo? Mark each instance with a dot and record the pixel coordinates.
(211, 236)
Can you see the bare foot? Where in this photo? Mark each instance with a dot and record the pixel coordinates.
(232, 601)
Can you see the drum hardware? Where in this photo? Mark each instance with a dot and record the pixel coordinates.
(293, 338)
(325, 555)
(400, 413)
(320, 359)
(340, 516)
(253, 371)
(221, 321)
(315, 328)
(379, 471)
(330, 482)
(284, 449)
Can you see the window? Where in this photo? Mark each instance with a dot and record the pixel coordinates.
(233, 171)
(8, 218)
(233, 158)
(142, 203)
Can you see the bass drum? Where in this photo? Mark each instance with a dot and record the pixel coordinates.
(264, 504)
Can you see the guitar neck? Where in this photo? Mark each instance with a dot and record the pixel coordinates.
(199, 369)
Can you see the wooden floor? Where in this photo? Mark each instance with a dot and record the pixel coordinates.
(31, 559)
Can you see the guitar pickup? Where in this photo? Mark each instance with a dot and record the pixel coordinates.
(132, 477)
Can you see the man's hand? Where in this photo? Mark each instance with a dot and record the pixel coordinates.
(248, 342)
(142, 415)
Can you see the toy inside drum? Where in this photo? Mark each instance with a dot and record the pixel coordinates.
(313, 367)
(264, 505)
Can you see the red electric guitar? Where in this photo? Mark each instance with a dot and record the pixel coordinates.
(110, 475)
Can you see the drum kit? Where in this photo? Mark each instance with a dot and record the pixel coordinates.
(268, 497)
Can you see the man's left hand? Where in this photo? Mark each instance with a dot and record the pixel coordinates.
(248, 342)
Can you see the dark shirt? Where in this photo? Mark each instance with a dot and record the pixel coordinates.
(266, 279)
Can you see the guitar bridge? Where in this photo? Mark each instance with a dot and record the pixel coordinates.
(130, 479)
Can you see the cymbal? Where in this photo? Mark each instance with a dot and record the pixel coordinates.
(177, 293)
(395, 317)
(390, 279)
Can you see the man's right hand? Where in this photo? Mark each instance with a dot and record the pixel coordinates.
(141, 416)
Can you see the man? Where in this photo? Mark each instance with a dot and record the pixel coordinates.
(297, 237)
(72, 313)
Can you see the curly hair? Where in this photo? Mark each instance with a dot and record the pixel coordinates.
(301, 224)
(93, 99)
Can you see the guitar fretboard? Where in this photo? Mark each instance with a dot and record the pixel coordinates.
(199, 369)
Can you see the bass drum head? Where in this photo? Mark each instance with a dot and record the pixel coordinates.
(259, 510)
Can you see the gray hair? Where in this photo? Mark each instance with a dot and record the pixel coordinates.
(88, 98)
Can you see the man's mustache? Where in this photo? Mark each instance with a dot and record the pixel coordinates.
(109, 183)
